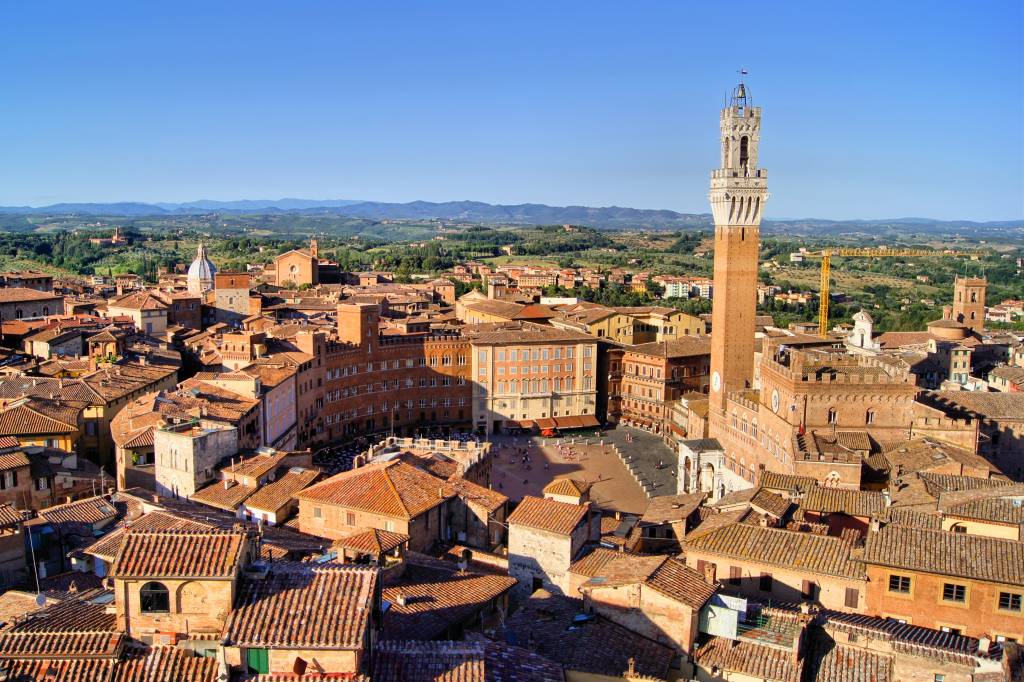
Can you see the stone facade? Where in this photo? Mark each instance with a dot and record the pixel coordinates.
(541, 559)
(550, 374)
(231, 297)
(187, 456)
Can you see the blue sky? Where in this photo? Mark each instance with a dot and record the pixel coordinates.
(871, 109)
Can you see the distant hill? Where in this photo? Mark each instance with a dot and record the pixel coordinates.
(607, 217)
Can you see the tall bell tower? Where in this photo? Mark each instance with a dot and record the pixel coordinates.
(739, 190)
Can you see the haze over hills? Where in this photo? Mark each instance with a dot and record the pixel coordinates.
(607, 217)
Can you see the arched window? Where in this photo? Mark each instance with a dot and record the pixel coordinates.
(744, 154)
(154, 598)
(18, 313)
(869, 417)
(833, 416)
(974, 297)
(46, 310)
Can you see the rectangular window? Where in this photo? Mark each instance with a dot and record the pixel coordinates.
(317, 513)
(954, 593)
(1009, 601)
(735, 575)
(852, 600)
(899, 583)
(350, 518)
(809, 590)
(765, 583)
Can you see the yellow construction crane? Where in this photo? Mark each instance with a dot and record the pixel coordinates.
(826, 267)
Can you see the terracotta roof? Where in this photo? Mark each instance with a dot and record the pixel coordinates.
(1007, 508)
(748, 658)
(476, 495)
(977, 403)
(712, 521)
(683, 347)
(9, 516)
(922, 454)
(301, 605)
(570, 487)
(107, 546)
(165, 664)
(545, 624)
(737, 498)
(907, 638)
(74, 627)
(65, 670)
(16, 604)
(139, 300)
(19, 294)
(940, 483)
(438, 596)
(914, 517)
(373, 542)
(828, 661)
(32, 416)
(772, 503)
(799, 551)
(955, 554)
(273, 496)
(853, 502)
(88, 511)
(179, 554)
(548, 515)
(391, 488)
(669, 508)
(680, 582)
(460, 662)
(228, 495)
(15, 460)
(591, 563)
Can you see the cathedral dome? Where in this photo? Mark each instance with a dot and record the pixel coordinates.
(202, 270)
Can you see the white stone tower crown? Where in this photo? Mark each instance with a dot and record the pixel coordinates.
(739, 188)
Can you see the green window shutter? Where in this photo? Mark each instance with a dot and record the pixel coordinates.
(258, 660)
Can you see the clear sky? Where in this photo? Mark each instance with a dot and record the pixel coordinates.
(871, 109)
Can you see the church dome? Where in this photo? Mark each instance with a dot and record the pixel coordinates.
(202, 269)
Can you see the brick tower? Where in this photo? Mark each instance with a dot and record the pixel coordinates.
(739, 190)
(969, 301)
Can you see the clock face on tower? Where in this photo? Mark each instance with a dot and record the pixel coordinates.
(775, 400)
(716, 381)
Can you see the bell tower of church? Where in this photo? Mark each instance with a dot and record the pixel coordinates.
(739, 190)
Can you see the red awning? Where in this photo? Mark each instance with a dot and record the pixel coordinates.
(589, 420)
(569, 422)
(546, 424)
(522, 424)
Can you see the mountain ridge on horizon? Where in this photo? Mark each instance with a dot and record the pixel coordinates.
(463, 211)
